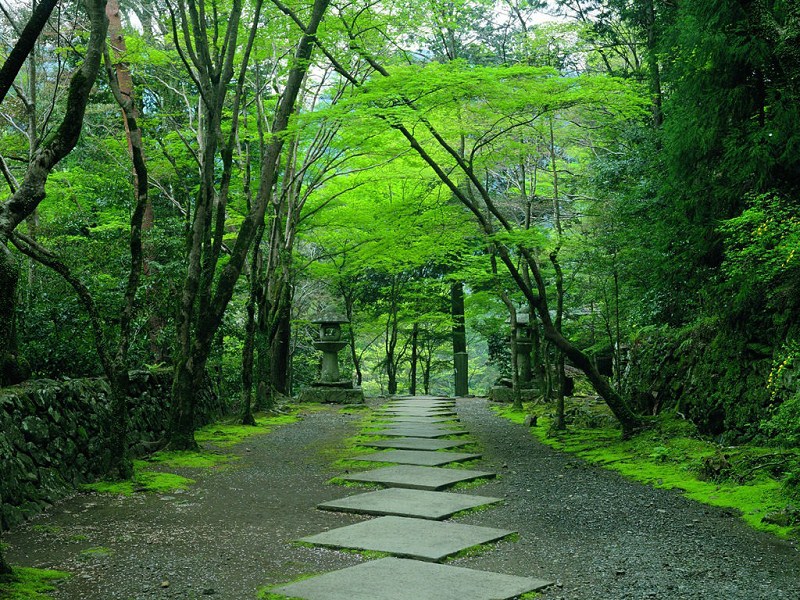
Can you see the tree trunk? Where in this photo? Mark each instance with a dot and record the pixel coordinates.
(24, 46)
(263, 391)
(254, 302)
(652, 63)
(31, 192)
(561, 377)
(121, 466)
(460, 357)
(248, 352)
(203, 289)
(10, 372)
(391, 377)
(412, 379)
(280, 352)
(187, 380)
(516, 389)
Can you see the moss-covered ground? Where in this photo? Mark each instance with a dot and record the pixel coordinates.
(154, 473)
(671, 455)
(31, 584)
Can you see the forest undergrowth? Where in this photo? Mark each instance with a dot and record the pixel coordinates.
(760, 482)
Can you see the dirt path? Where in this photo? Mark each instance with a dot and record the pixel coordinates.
(599, 535)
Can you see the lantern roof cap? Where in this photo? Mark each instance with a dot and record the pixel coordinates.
(330, 319)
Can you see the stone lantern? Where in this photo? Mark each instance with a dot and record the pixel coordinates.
(523, 336)
(330, 342)
(331, 387)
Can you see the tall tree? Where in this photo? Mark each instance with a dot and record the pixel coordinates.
(205, 295)
(25, 198)
(24, 45)
(31, 190)
(416, 125)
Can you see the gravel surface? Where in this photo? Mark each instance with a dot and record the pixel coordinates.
(598, 535)
(601, 536)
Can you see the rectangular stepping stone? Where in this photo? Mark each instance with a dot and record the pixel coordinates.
(403, 502)
(422, 400)
(413, 419)
(412, 443)
(443, 404)
(422, 432)
(417, 478)
(417, 457)
(410, 538)
(418, 412)
(445, 422)
(403, 579)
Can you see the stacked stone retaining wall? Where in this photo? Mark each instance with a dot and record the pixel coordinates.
(54, 435)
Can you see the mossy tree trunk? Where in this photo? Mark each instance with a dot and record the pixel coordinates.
(9, 277)
(207, 287)
(412, 377)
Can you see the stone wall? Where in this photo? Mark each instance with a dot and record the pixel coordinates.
(53, 435)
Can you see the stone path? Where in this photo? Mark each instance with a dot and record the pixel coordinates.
(410, 524)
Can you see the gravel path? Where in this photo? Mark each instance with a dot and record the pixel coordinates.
(598, 535)
(604, 537)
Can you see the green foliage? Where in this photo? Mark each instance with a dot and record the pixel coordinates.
(687, 359)
(783, 383)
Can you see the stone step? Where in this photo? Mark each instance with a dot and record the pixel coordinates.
(418, 431)
(418, 478)
(402, 579)
(403, 502)
(420, 539)
(413, 419)
(411, 411)
(414, 443)
(417, 457)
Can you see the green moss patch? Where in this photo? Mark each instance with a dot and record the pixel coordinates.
(225, 435)
(355, 409)
(31, 584)
(669, 456)
(354, 484)
(54, 529)
(95, 552)
(191, 459)
(265, 592)
(468, 485)
(143, 481)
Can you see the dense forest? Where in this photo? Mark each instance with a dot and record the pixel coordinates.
(188, 184)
